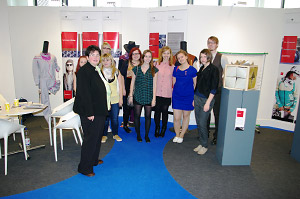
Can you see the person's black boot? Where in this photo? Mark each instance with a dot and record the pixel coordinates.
(127, 129)
(157, 128)
(139, 138)
(163, 131)
(147, 138)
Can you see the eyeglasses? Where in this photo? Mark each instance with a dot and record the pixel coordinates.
(135, 53)
(69, 64)
(95, 55)
(211, 42)
(105, 48)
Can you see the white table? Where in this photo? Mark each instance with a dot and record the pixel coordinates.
(23, 109)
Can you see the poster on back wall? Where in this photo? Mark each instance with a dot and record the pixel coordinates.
(154, 44)
(162, 40)
(89, 38)
(287, 93)
(113, 38)
(70, 54)
(290, 50)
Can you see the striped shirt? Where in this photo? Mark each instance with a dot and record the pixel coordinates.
(143, 91)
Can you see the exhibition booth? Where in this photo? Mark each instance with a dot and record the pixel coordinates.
(241, 31)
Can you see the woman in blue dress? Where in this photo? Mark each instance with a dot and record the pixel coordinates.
(184, 82)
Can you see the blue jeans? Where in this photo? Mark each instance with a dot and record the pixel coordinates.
(114, 120)
(201, 119)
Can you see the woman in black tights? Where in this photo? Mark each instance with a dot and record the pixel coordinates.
(143, 92)
(163, 89)
(135, 59)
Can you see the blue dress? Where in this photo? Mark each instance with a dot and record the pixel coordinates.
(183, 91)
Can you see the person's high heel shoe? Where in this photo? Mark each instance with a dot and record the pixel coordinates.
(163, 131)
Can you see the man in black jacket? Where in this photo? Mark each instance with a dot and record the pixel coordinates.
(91, 105)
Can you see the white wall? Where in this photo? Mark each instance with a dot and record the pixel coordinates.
(7, 88)
(29, 27)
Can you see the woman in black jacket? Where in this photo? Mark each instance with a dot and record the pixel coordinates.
(91, 105)
(206, 87)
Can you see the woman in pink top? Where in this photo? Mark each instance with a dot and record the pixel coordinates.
(163, 89)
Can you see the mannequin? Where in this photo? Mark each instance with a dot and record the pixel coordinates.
(44, 67)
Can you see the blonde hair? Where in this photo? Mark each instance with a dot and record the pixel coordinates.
(164, 49)
(113, 65)
(106, 44)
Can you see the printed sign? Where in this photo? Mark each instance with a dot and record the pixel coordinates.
(240, 119)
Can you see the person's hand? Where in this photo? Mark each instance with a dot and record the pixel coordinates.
(120, 102)
(153, 102)
(130, 100)
(91, 118)
(193, 103)
(281, 109)
(206, 107)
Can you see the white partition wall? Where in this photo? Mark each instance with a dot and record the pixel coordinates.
(29, 28)
(7, 88)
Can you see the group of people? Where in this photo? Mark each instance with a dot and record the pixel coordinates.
(101, 89)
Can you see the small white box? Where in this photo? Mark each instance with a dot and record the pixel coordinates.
(240, 77)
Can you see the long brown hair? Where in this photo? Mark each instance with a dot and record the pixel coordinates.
(151, 62)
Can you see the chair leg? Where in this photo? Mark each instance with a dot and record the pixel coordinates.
(79, 135)
(75, 136)
(5, 154)
(61, 139)
(54, 123)
(24, 145)
(54, 144)
(50, 131)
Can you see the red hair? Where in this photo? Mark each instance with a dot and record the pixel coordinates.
(78, 66)
(130, 54)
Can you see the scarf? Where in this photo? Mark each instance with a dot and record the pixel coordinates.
(107, 87)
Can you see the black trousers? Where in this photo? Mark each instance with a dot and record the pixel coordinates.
(126, 109)
(90, 149)
(216, 109)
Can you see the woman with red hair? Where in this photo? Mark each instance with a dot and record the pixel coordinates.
(81, 61)
(135, 59)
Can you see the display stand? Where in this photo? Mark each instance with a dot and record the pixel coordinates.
(235, 147)
(295, 152)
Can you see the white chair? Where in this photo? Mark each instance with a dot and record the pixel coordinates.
(13, 119)
(69, 121)
(6, 129)
(58, 112)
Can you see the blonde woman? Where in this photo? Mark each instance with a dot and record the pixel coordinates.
(111, 75)
(105, 48)
(163, 89)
